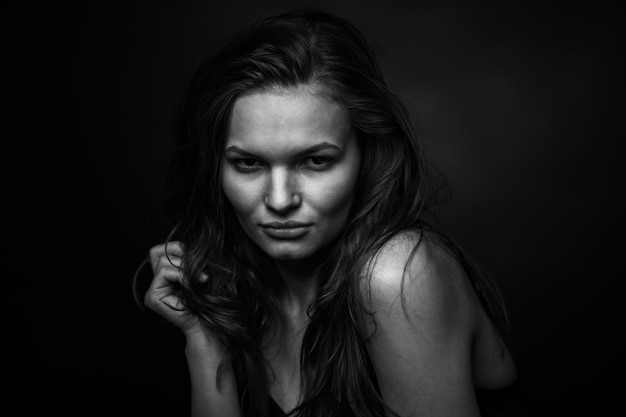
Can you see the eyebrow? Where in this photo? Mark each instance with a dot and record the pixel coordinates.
(306, 151)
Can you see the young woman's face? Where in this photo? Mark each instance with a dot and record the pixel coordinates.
(290, 170)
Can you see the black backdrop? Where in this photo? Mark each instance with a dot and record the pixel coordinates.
(519, 105)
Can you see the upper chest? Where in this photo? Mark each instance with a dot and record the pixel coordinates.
(282, 353)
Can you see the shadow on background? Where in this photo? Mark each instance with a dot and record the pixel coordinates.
(519, 105)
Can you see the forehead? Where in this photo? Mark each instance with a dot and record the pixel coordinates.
(278, 119)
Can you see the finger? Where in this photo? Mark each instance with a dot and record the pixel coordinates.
(173, 248)
(163, 284)
(173, 302)
(155, 253)
(170, 260)
(172, 268)
(166, 276)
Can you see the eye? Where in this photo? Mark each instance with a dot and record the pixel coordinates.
(246, 164)
(317, 162)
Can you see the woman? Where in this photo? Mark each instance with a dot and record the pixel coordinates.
(303, 269)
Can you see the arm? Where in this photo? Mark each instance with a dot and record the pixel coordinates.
(202, 350)
(203, 358)
(425, 319)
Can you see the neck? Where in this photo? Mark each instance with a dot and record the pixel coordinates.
(301, 280)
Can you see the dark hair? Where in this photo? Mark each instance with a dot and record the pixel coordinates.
(395, 193)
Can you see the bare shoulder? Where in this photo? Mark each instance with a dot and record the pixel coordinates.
(423, 322)
(431, 342)
(420, 274)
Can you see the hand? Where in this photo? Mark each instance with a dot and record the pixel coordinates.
(162, 297)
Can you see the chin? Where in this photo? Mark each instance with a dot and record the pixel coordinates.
(288, 251)
(288, 255)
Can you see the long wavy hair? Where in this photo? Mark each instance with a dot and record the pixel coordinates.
(395, 193)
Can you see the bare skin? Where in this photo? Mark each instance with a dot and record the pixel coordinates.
(202, 349)
(291, 157)
(433, 343)
(429, 354)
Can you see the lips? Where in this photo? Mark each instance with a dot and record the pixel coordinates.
(285, 225)
(286, 230)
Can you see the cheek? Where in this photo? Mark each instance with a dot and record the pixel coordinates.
(335, 196)
(240, 194)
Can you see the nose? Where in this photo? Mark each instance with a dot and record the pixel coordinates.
(282, 194)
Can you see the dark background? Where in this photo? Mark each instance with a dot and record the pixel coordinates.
(520, 105)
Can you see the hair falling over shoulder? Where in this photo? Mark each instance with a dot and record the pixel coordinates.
(396, 192)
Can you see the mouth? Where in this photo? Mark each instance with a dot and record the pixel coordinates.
(286, 230)
(285, 225)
